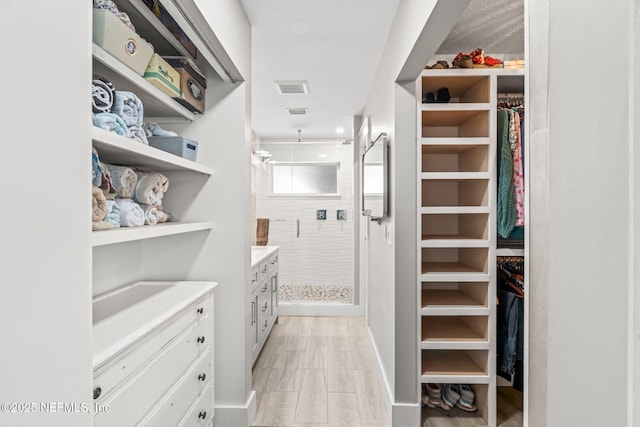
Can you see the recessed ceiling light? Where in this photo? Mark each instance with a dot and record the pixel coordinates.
(323, 155)
(340, 130)
(298, 111)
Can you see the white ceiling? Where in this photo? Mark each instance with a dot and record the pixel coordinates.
(336, 45)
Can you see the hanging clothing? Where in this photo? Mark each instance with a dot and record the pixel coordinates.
(518, 171)
(510, 326)
(506, 210)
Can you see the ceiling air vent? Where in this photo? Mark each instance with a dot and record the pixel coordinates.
(297, 111)
(292, 87)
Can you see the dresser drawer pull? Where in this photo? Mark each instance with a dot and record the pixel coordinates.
(202, 377)
(201, 340)
(202, 415)
(200, 310)
(264, 307)
(97, 392)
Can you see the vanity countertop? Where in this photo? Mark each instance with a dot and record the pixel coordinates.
(260, 253)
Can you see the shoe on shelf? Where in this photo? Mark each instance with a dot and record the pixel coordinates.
(440, 65)
(443, 95)
(426, 400)
(466, 398)
(429, 98)
(462, 60)
(450, 394)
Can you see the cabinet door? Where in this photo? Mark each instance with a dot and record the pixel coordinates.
(253, 323)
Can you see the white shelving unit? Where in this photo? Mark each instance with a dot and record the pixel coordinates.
(456, 241)
(184, 250)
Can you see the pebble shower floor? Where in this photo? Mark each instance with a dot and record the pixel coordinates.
(316, 293)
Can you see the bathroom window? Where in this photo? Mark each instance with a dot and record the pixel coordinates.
(304, 178)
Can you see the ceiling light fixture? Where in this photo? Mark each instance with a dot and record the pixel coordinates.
(340, 130)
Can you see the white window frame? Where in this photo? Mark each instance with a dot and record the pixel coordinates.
(304, 163)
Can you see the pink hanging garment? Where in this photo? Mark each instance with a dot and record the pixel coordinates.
(518, 175)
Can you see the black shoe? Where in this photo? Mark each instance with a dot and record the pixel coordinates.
(443, 95)
(428, 98)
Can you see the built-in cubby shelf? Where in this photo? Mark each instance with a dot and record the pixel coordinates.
(454, 299)
(455, 192)
(128, 234)
(116, 149)
(456, 236)
(156, 103)
(455, 366)
(455, 333)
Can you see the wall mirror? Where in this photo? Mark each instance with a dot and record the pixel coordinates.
(374, 179)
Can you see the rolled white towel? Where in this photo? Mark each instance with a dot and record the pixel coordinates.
(151, 214)
(150, 188)
(131, 214)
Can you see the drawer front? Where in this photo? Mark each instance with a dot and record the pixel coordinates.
(255, 277)
(107, 377)
(264, 270)
(175, 405)
(131, 401)
(201, 413)
(273, 263)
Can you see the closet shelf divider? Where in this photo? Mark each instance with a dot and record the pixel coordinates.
(455, 209)
(455, 176)
(455, 142)
(453, 242)
(457, 106)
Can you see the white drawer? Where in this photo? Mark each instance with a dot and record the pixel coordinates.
(131, 401)
(255, 277)
(273, 263)
(108, 376)
(264, 270)
(173, 407)
(201, 413)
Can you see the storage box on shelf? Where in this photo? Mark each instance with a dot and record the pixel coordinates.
(163, 76)
(112, 35)
(192, 84)
(456, 178)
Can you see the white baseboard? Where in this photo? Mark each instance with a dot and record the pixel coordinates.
(387, 394)
(236, 415)
(319, 309)
(401, 414)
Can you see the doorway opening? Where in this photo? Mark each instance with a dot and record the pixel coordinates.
(306, 191)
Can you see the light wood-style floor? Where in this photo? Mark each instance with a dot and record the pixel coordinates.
(318, 372)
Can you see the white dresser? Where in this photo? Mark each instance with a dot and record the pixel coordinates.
(263, 291)
(153, 355)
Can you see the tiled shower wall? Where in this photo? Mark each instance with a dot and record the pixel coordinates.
(323, 254)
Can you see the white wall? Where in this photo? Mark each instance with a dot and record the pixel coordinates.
(583, 144)
(45, 268)
(322, 243)
(418, 29)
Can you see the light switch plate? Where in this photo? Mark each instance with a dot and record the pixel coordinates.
(321, 214)
(341, 214)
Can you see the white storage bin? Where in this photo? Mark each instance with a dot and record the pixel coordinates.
(115, 37)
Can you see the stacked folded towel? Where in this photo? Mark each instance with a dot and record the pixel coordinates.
(111, 122)
(124, 180)
(102, 95)
(125, 197)
(117, 111)
(99, 210)
(131, 214)
(150, 188)
(130, 109)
